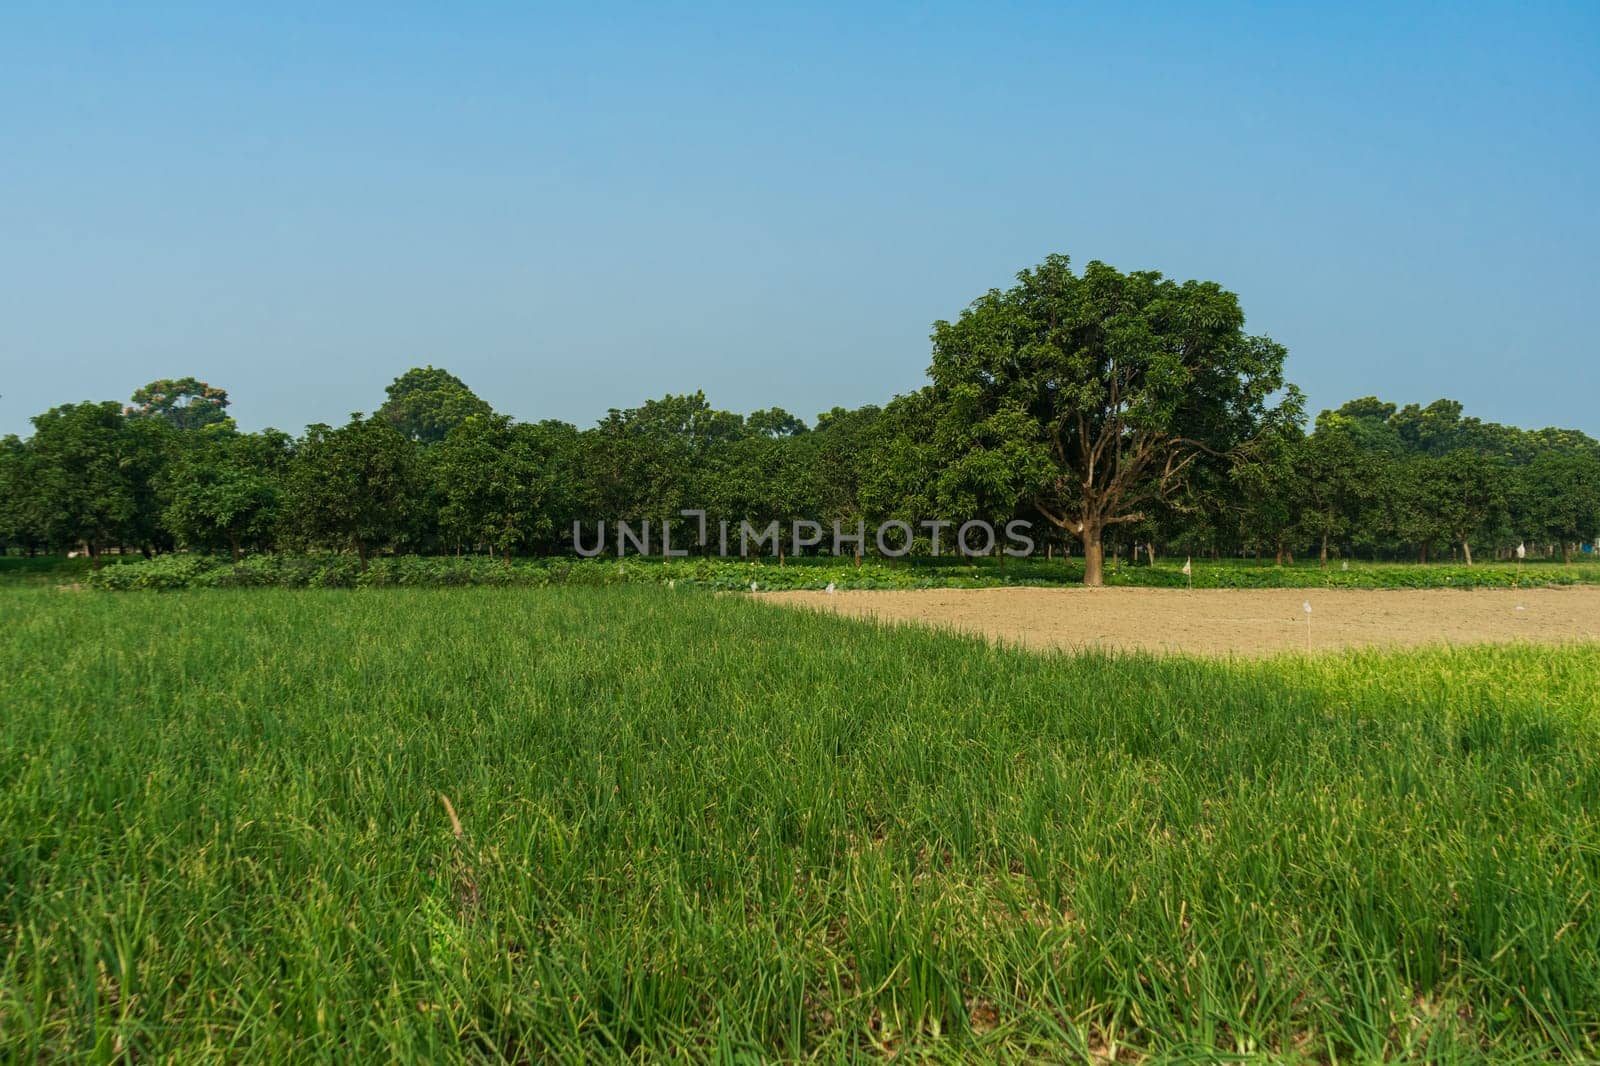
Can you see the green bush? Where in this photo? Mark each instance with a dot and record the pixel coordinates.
(162, 573)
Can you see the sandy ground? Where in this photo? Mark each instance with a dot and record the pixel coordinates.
(1231, 621)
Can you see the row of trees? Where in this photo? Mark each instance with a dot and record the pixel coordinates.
(1377, 479)
(1110, 409)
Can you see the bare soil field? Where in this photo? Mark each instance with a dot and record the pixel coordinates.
(1230, 621)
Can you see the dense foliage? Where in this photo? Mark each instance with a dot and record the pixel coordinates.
(1114, 411)
(688, 827)
(1091, 398)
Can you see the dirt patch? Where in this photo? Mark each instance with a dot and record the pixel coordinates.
(1230, 621)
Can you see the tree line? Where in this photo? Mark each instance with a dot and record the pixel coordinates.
(1116, 411)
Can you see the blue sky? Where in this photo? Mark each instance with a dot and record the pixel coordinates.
(582, 207)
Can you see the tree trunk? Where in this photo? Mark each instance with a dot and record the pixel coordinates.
(1422, 554)
(233, 542)
(361, 553)
(94, 555)
(1322, 557)
(1466, 551)
(1566, 552)
(1094, 556)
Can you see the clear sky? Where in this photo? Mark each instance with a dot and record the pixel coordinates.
(582, 207)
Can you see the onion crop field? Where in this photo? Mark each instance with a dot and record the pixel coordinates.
(635, 822)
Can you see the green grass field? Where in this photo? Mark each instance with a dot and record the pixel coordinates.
(697, 826)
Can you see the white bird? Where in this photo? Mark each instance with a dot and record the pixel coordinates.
(1306, 607)
(830, 590)
(1187, 569)
(1522, 550)
(752, 586)
(1344, 565)
(671, 584)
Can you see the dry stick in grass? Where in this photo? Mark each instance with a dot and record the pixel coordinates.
(455, 823)
(466, 885)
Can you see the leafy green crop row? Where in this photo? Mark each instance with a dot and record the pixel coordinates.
(705, 827)
(345, 571)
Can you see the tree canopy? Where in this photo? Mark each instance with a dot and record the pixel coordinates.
(1092, 397)
(184, 403)
(426, 403)
(354, 487)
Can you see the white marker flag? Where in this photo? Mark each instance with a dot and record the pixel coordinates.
(1187, 570)
(1522, 551)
